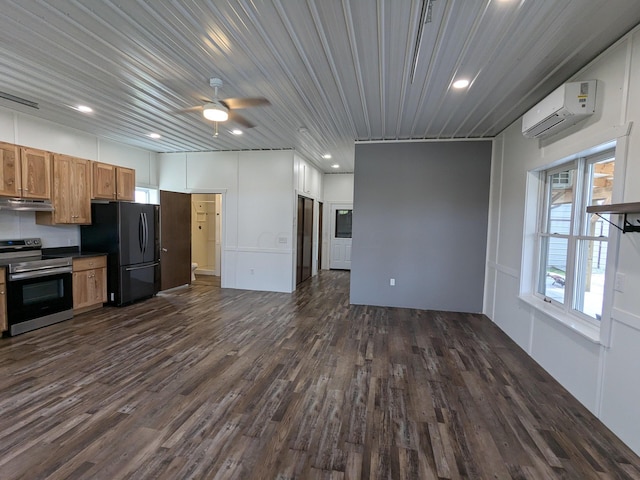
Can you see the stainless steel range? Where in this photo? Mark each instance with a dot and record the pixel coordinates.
(39, 291)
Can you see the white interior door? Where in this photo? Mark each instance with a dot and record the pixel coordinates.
(340, 249)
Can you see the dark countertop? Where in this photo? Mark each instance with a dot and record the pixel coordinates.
(73, 252)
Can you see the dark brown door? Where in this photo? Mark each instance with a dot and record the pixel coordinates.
(304, 239)
(175, 239)
(320, 214)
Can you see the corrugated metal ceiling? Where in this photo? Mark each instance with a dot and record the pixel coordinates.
(334, 71)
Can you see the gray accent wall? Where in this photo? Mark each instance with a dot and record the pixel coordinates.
(420, 213)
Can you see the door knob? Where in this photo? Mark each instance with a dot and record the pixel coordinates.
(164, 249)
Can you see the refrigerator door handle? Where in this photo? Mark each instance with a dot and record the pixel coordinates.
(129, 269)
(144, 232)
(140, 232)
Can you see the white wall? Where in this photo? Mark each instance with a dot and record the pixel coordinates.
(601, 374)
(259, 191)
(338, 189)
(29, 131)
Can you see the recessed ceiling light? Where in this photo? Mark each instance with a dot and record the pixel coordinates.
(462, 83)
(154, 135)
(335, 165)
(236, 131)
(84, 109)
(326, 155)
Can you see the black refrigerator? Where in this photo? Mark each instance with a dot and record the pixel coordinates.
(129, 233)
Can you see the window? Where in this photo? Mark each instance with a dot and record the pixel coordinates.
(343, 223)
(573, 244)
(146, 195)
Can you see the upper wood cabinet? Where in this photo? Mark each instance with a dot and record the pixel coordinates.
(126, 183)
(35, 174)
(71, 192)
(24, 172)
(9, 170)
(104, 181)
(113, 183)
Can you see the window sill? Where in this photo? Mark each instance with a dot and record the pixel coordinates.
(582, 327)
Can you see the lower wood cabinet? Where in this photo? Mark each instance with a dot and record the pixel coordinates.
(3, 301)
(89, 283)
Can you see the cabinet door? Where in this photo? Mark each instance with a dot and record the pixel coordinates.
(3, 302)
(81, 191)
(82, 289)
(36, 173)
(126, 183)
(61, 198)
(9, 170)
(100, 285)
(104, 181)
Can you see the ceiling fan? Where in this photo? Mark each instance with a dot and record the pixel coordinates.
(223, 109)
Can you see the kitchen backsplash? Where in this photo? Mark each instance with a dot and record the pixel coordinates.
(15, 224)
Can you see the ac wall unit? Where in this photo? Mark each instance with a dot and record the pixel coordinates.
(564, 107)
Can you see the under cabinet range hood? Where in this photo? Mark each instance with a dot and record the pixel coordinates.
(25, 205)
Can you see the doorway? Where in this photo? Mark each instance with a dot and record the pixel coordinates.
(340, 245)
(304, 252)
(206, 227)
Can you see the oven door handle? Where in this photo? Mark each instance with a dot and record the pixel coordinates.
(39, 272)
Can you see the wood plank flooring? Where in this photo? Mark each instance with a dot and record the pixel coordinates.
(206, 383)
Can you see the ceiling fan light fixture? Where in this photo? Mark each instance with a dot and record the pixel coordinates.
(462, 83)
(215, 112)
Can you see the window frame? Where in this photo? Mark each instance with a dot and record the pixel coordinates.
(576, 237)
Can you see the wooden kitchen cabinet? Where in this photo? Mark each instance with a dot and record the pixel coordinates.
(111, 182)
(9, 170)
(35, 173)
(3, 301)
(125, 183)
(89, 283)
(71, 197)
(24, 172)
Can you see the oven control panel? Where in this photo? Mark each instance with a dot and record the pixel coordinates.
(21, 244)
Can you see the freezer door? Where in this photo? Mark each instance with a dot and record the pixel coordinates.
(137, 282)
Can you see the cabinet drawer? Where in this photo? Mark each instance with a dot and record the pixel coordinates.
(88, 263)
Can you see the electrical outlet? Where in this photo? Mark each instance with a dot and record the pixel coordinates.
(392, 282)
(251, 271)
(619, 284)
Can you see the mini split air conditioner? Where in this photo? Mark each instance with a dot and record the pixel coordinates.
(564, 107)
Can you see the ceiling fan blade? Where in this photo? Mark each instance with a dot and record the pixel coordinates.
(236, 117)
(246, 102)
(190, 109)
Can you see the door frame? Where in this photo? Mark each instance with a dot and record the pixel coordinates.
(223, 225)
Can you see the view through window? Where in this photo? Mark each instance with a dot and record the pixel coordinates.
(573, 244)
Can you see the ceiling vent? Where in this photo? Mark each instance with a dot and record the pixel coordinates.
(564, 107)
(21, 101)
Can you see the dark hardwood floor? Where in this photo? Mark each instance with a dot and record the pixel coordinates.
(207, 383)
